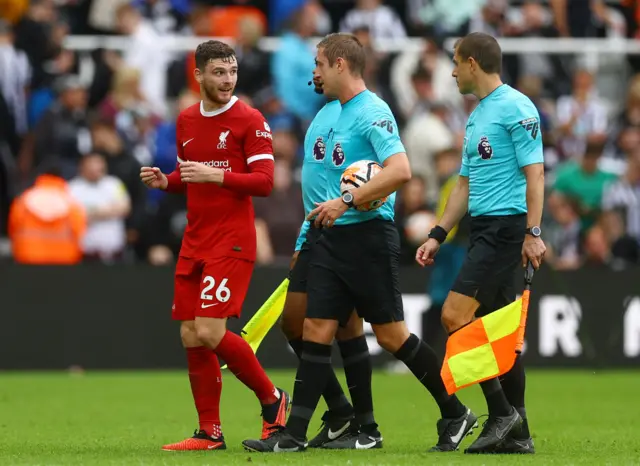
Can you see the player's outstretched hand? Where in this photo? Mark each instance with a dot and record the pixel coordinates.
(196, 172)
(533, 250)
(328, 212)
(427, 252)
(153, 178)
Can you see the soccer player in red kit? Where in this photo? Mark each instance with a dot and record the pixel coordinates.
(225, 156)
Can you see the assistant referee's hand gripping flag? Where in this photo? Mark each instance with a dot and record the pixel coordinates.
(257, 328)
(487, 347)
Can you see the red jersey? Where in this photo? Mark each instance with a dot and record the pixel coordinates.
(220, 219)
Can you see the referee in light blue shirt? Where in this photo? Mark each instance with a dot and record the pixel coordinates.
(501, 185)
(339, 418)
(354, 264)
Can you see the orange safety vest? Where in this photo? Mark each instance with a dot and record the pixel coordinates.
(13, 10)
(46, 224)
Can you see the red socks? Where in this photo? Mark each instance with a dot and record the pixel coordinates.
(245, 366)
(206, 386)
(206, 379)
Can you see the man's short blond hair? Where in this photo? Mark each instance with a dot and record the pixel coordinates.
(347, 47)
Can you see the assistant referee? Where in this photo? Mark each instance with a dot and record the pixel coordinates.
(501, 185)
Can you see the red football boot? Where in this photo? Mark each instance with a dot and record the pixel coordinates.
(199, 441)
(281, 408)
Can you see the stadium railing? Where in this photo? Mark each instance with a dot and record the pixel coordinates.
(591, 47)
(592, 53)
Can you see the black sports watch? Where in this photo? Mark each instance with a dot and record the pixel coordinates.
(347, 198)
(534, 231)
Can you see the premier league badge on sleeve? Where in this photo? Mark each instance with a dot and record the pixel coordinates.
(484, 148)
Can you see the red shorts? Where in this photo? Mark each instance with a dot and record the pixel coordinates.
(210, 287)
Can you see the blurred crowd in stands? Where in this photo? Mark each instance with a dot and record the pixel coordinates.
(75, 126)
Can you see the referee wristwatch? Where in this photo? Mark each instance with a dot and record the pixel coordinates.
(347, 198)
(534, 231)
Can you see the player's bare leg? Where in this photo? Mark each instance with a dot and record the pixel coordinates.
(206, 386)
(458, 311)
(244, 364)
(358, 371)
(457, 420)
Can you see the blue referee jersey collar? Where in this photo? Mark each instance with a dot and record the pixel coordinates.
(497, 91)
(356, 98)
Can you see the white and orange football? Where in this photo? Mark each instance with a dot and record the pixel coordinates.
(357, 174)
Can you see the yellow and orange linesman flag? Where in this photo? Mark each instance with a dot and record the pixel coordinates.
(487, 347)
(259, 325)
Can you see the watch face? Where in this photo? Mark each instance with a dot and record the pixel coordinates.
(535, 231)
(347, 197)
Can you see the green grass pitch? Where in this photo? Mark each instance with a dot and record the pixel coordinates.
(124, 418)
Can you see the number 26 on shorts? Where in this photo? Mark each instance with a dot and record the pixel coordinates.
(222, 293)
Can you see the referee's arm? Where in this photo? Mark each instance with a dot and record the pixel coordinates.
(534, 174)
(455, 208)
(395, 173)
(527, 143)
(533, 249)
(457, 204)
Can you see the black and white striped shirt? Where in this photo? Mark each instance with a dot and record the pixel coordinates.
(624, 197)
(15, 76)
(382, 22)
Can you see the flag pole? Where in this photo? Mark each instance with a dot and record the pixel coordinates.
(528, 278)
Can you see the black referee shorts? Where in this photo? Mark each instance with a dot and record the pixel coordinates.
(494, 255)
(298, 275)
(356, 266)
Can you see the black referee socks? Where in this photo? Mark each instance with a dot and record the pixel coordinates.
(513, 383)
(333, 394)
(311, 379)
(296, 346)
(496, 400)
(423, 363)
(357, 369)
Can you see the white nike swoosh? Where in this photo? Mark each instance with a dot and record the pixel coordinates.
(366, 446)
(187, 142)
(277, 449)
(522, 445)
(334, 435)
(211, 447)
(456, 438)
(204, 306)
